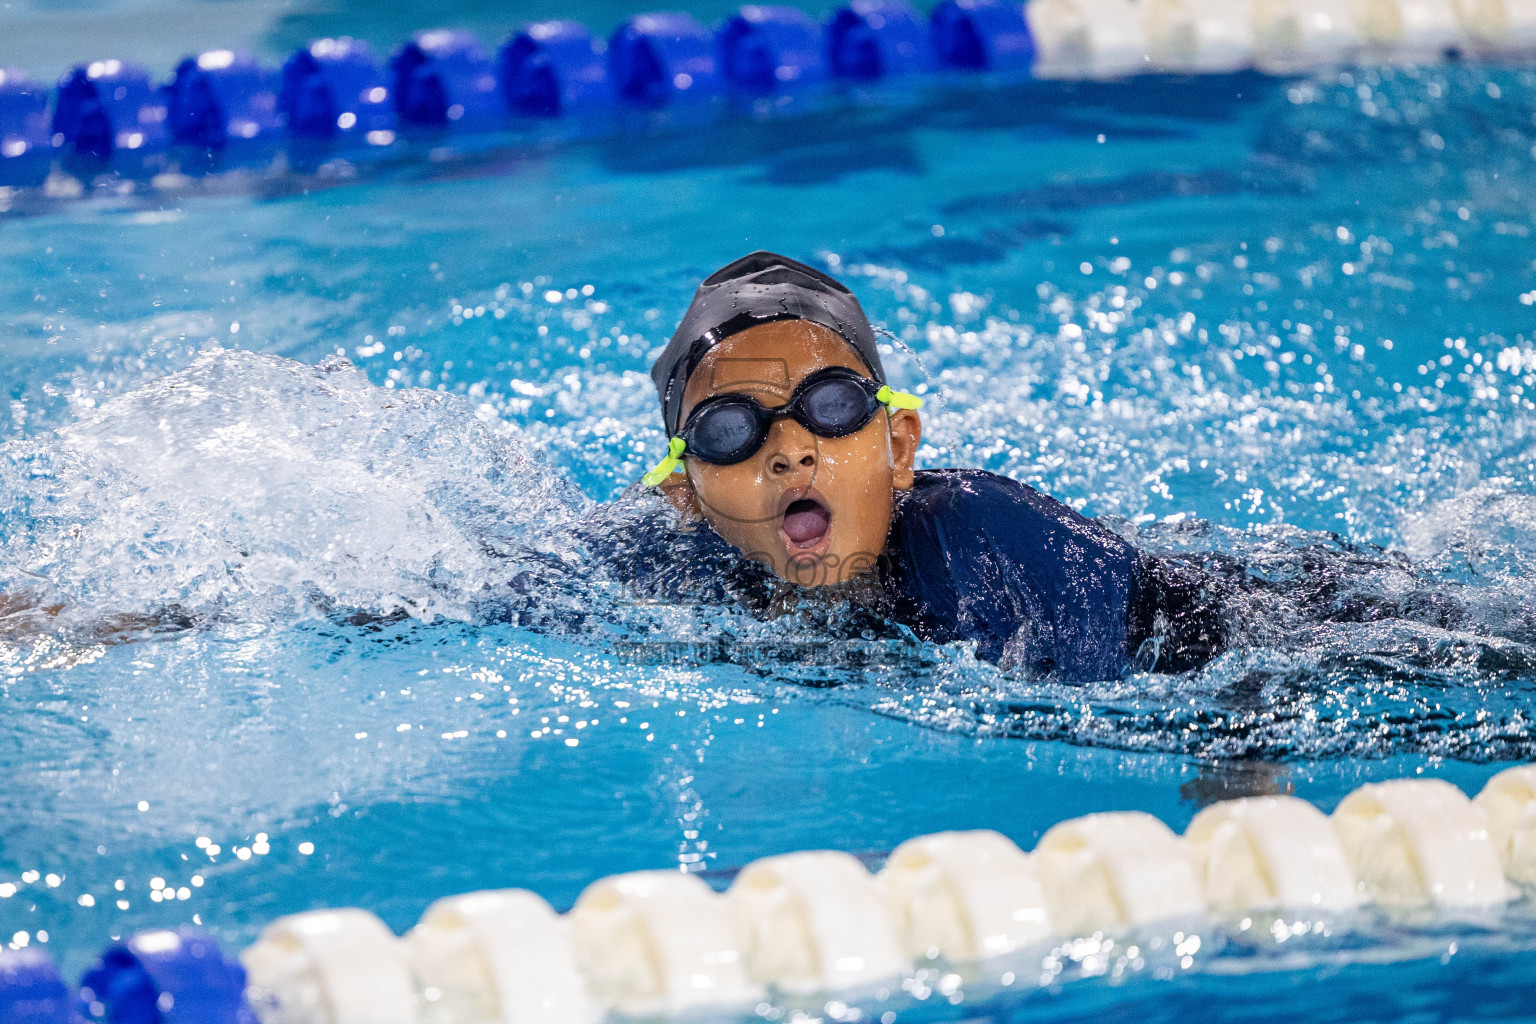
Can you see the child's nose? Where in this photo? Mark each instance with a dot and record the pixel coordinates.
(793, 447)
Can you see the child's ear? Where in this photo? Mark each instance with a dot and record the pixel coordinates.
(906, 435)
(678, 490)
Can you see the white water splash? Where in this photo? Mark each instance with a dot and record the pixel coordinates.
(254, 482)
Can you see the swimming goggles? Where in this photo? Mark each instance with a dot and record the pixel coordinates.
(730, 428)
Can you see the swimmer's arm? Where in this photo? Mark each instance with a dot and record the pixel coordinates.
(25, 615)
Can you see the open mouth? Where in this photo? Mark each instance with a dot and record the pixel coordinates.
(806, 524)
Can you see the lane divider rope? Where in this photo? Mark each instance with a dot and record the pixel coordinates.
(651, 943)
(335, 100)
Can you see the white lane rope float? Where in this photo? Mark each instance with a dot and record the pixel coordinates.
(663, 943)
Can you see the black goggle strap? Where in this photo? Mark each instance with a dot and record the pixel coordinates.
(673, 463)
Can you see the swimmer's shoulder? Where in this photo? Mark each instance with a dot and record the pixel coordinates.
(971, 514)
(974, 555)
(984, 498)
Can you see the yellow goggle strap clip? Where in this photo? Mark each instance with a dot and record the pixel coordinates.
(667, 466)
(897, 399)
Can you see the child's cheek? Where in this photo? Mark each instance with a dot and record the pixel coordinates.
(739, 503)
(861, 465)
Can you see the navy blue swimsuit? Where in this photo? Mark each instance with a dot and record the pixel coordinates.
(976, 556)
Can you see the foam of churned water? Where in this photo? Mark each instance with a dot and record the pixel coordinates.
(252, 486)
(249, 488)
(1347, 650)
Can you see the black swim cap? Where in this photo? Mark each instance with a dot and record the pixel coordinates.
(757, 289)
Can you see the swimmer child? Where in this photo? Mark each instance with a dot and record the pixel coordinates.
(787, 442)
(790, 484)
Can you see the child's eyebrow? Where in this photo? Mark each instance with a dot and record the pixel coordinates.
(765, 373)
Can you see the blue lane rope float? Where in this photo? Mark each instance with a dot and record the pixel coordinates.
(766, 49)
(335, 90)
(32, 991)
(168, 976)
(443, 79)
(222, 97)
(982, 35)
(656, 59)
(26, 142)
(553, 68)
(872, 39)
(109, 112)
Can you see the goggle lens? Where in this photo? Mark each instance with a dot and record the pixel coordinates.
(727, 432)
(837, 407)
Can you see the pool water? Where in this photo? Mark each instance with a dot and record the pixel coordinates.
(246, 427)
